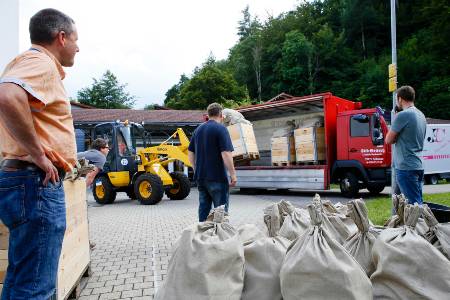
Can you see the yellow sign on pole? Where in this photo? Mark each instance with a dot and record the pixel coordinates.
(392, 70)
(392, 84)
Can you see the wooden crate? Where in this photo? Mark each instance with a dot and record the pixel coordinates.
(4, 236)
(244, 142)
(310, 144)
(74, 261)
(283, 150)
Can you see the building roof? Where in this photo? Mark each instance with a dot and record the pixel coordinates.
(80, 105)
(282, 96)
(138, 116)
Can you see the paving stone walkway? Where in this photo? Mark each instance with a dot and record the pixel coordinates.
(133, 241)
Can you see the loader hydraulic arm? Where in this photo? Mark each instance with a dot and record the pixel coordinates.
(169, 152)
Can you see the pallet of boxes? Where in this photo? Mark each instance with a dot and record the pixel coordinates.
(309, 145)
(282, 147)
(242, 136)
(74, 261)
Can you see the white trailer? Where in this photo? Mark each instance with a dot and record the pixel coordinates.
(436, 153)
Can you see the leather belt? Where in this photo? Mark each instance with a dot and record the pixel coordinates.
(18, 165)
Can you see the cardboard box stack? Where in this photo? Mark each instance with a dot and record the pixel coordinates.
(310, 144)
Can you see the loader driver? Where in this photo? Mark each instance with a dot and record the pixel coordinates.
(210, 152)
(96, 156)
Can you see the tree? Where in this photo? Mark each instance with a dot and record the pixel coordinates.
(173, 94)
(245, 24)
(342, 46)
(106, 92)
(210, 83)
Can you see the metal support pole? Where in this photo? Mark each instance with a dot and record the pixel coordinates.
(394, 94)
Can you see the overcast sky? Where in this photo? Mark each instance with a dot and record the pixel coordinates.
(147, 43)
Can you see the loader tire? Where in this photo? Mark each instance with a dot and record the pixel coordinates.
(103, 190)
(181, 187)
(149, 189)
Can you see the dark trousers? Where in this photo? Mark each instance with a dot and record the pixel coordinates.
(36, 219)
(211, 193)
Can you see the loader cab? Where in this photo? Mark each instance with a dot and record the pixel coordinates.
(123, 139)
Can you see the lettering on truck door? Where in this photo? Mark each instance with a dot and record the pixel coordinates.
(361, 146)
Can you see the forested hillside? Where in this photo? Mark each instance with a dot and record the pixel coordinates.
(342, 46)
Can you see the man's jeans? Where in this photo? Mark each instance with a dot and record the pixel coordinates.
(36, 218)
(211, 192)
(410, 183)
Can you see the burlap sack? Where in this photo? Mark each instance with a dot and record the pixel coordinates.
(360, 244)
(407, 265)
(231, 117)
(340, 211)
(207, 262)
(295, 221)
(263, 259)
(399, 202)
(333, 223)
(317, 267)
(438, 234)
(273, 219)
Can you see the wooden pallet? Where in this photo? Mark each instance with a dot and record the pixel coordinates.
(283, 163)
(81, 283)
(310, 162)
(247, 156)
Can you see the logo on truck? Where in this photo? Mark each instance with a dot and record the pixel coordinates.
(373, 156)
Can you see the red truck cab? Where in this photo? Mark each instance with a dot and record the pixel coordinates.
(363, 158)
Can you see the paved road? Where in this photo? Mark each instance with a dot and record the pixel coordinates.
(133, 242)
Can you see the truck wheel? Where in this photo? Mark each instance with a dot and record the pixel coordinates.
(349, 185)
(148, 189)
(103, 191)
(432, 179)
(376, 188)
(181, 186)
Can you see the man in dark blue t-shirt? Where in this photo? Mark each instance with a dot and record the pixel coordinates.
(210, 153)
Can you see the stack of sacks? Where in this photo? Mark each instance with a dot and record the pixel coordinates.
(263, 259)
(399, 202)
(295, 221)
(407, 265)
(438, 234)
(333, 223)
(317, 267)
(207, 262)
(360, 244)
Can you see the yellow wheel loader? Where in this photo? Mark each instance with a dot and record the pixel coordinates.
(140, 172)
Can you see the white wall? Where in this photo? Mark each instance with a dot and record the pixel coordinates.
(9, 31)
